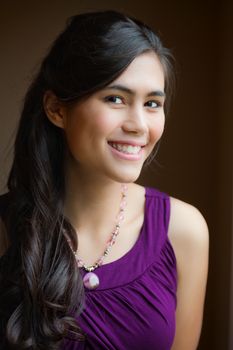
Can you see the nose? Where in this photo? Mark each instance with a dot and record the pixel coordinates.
(135, 122)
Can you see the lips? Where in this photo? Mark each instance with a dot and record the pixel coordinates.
(125, 148)
(126, 152)
(128, 143)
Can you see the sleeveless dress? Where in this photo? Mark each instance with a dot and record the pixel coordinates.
(134, 306)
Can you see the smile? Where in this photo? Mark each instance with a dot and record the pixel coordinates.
(128, 149)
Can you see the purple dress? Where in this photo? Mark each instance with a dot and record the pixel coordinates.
(134, 306)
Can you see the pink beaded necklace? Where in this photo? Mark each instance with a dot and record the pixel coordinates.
(91, 280)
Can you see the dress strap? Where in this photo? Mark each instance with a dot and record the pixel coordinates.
(157, 221)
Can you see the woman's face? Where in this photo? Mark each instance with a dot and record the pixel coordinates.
(112, 132)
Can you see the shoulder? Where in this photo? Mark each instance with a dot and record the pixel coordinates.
(186, 222)
(188, 230)
(189, 236)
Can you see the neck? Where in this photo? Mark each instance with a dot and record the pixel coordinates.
(91, 206)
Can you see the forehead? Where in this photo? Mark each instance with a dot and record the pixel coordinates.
(144, 72)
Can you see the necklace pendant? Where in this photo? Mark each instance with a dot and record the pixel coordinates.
(91, 280)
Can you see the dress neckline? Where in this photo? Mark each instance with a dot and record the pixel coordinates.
(112, 267)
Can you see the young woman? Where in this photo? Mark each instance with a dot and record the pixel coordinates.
(89, 259)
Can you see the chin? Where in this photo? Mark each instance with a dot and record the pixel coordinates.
(126, 177)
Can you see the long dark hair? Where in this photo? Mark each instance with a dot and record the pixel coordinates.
(41, 290)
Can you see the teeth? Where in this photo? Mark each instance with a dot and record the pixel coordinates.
(126, 148)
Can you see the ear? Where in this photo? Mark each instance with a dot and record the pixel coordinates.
(54, 109)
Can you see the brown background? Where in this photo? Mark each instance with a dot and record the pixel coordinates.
(195, 159)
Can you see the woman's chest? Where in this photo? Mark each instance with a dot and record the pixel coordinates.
(138, 316)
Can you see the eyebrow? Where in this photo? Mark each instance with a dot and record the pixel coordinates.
(123, 88)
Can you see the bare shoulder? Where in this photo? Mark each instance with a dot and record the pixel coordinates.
(189, 236)
(188, 229)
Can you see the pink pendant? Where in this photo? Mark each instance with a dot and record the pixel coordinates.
(91, 280)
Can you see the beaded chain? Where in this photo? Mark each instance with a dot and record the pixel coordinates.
(120, 217)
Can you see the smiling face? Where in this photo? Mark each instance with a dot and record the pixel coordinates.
(112, 132)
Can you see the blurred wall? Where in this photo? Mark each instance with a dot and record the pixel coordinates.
(195, 160)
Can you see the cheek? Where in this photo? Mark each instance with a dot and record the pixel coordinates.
(156, 130)
(103, 125)
(75, 133)
(84, 130)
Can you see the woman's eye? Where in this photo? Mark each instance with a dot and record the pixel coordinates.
(114, 99)
(153, 104)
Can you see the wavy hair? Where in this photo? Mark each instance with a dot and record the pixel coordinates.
(41, 290)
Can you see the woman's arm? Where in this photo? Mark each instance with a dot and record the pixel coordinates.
(188, 232)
